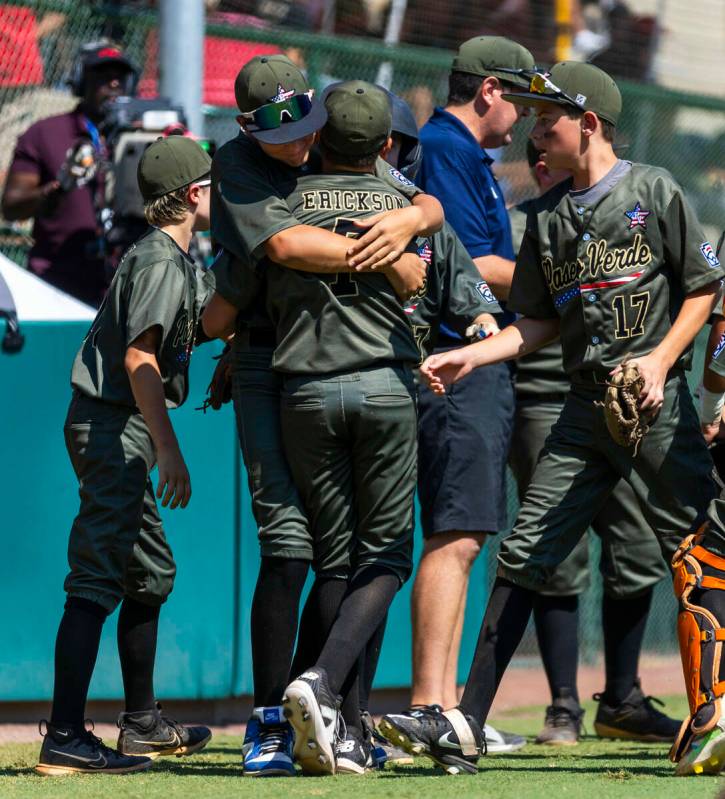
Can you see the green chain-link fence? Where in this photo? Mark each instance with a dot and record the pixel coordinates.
(682, 132)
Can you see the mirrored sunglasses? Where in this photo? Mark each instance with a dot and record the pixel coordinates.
(273, 115)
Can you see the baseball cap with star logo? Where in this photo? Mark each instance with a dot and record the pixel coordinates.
(276, 102)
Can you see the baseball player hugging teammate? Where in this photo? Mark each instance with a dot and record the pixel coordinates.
(252, 176)
(615, 262)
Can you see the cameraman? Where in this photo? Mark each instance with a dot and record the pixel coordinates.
(57, 177)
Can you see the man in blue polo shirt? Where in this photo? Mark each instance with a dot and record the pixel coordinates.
(464, 436)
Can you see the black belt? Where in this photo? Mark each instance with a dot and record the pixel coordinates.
(546, 396)
(258, 337)
(595, 377)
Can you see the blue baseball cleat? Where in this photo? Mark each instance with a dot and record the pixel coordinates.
(267, 747)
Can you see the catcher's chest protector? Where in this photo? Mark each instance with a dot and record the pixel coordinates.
(701, 639)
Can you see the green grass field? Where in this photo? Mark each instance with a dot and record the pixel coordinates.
(594, 770)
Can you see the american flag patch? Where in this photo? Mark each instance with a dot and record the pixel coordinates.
(611, 283)
(425, 252)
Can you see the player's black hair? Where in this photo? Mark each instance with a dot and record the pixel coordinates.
(462, 87)
(357, 161)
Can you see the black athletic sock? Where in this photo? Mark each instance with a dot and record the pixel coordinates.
(369, 664)
(275, 608)
(138, 627)
(76, 650)
(507, 614)
(365, 604)
(350, 709)
(557, 631)
(623, 622)
(318, 616)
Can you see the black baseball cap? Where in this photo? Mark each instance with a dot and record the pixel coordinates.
(99, 54)
(497, 57)
(170, 163)
(276, 100)
(359, 118)
(574, 84)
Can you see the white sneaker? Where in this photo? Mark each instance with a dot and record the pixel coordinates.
(497, 741)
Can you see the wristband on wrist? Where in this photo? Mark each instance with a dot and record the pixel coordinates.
(711, 405)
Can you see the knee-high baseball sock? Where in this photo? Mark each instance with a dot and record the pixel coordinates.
(76, 650)
(365, 604)
(275, 607)
(623, 623)
(557, 631)
(138, 627)
(507, 614)
(369, 664)
(318, 616)
(350, 691)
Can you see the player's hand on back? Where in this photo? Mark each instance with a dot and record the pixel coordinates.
(387, 237)
(406, 275)
(445, 368)
(174, 482)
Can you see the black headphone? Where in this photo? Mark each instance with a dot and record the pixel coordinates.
(77, 77)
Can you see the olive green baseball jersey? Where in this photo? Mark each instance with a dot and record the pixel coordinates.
(541, 372)
(616, 271)
(336, 322)
(454, 292)
(717, 363)
(156, 284)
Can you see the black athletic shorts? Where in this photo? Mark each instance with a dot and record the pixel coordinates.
(463, 444)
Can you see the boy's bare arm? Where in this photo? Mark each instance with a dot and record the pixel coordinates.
(174, 484)
(519, 339)
(219, 317)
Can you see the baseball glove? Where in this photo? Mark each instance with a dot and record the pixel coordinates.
(625, 421)
(219, 390)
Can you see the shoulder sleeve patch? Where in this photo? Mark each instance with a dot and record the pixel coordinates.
(709, 254)
(400, 177)
(483, 289)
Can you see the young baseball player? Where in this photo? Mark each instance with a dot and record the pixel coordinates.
(615, 261)
(132, 366)
(250, 218)
(631, 563)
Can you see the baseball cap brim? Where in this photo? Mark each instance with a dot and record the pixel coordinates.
(530, 99)
(291, 131)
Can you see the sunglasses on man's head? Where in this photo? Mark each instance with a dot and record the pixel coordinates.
(540, 84)
(272, 115)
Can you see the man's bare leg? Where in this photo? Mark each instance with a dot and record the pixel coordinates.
(438, 601)
(450, 676)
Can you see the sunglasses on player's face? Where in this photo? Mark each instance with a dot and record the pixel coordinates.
(540, 84)
(272, 115)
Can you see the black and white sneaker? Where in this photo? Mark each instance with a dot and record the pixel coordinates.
(66, 750)
(383, 752)
(410, 722)
(353, 753)
(451, 739)
(312, 710)
(153, 735)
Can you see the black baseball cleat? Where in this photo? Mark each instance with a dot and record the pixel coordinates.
(66, 750)
(354, 753)
(411, 720)
(563, 723)
(451, 739)
(383, 752)
(634, 719)
(313, 711)
(153, 735)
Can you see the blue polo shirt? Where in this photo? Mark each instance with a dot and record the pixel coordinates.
(457, 170)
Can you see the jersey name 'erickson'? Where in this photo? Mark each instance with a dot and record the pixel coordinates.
(351, 201)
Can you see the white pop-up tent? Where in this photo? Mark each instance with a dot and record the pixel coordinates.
(37, 301)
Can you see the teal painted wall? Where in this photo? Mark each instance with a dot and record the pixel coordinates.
(204, 649)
